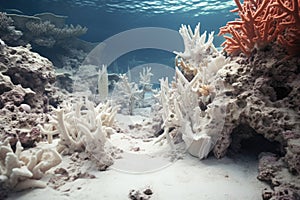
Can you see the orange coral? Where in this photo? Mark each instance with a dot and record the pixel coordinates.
(262, 22)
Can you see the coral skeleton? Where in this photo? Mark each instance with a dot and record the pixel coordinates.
(22, 170)
(132, 94)
(84, 127)
(197, 51)
(103, 83)
(198, 128)
(127, 93)
(189, 105)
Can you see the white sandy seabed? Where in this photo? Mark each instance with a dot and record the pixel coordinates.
(186, 178)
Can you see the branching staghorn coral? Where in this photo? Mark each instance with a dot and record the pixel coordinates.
(196, 119)
(197, 51)
(130, 93)
(145, 81)
(22, 170)
(127, 93)
(46, 29)
(83, 127)
(191, 105)
(261, 23)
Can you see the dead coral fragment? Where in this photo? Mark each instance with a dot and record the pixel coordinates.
(22, 170)
(83, 127)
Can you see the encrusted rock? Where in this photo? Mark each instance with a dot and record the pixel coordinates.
(264, 95)
(292, 156)
(26, 92)
(273, 170)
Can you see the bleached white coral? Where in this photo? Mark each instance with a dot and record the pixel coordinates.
(103, 83)
(84, 127)
(145, 76)
(200, 55)
(127, 93)
(132, 94)
(196, 47)
(198, 127)
(22, 170)
(191, 105)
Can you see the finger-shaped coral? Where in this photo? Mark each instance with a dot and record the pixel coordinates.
(22, 169)
(84, 127)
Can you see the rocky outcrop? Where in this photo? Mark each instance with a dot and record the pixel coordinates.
(264, 101)
(47, 34)
(26, 93)
(273, 170)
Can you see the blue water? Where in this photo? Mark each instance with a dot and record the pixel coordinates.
(107, 18)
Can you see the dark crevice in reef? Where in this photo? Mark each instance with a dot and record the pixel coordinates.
(246, 142)
(281, 91)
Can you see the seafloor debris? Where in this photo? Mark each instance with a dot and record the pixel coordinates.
(22, 170)
(70, 173)
(142, 194)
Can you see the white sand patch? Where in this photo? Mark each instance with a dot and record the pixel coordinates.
(146, 164)
(188, 179)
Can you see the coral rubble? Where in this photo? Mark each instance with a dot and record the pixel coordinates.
(22, 170)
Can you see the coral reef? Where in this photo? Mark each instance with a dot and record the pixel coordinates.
(48, 35)
(264, 95)
(212, 98)
(273, 170)
(83, 128)
(22, 170)
(264, 90)
(190, 105)
(262, 23)
(45, 29)
(7, 30)
(26, 89)
(131, 95)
